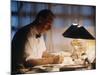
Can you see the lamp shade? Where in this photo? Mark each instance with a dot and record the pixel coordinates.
(74, 31)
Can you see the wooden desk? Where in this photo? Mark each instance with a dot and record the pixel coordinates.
(57, 68)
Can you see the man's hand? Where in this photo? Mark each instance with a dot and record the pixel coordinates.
(57, 59)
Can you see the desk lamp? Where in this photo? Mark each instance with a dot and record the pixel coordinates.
(78, 33)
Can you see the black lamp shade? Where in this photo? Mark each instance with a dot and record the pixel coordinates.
(74, 31)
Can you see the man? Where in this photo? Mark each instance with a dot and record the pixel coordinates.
(28, 47)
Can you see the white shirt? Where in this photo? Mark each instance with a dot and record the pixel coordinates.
(34, 47)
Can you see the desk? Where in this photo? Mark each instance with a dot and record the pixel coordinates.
(57, 68)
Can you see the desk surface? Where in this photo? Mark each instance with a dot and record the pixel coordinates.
(56, 68)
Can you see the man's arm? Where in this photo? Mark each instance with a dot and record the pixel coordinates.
(47, 58)
(42, 61)
(56, 58)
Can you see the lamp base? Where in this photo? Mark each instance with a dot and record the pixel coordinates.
(79, 48)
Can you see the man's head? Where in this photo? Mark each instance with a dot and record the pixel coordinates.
(44, 19)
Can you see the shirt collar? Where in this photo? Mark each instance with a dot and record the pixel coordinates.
(37, 34)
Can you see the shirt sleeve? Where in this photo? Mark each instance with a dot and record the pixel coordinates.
(34, 48)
